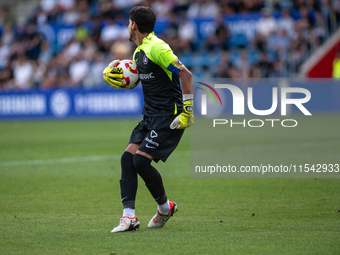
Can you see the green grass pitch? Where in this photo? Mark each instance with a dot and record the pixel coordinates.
(59, 194)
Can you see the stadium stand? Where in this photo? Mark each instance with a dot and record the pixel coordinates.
(67, 43)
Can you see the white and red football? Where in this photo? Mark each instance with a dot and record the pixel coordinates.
(130, 73)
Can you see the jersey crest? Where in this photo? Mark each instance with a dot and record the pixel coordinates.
(145, 60)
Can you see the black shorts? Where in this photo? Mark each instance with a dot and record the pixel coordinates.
(156, 137)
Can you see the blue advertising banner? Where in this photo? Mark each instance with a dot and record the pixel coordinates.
(107, 102)
(71, 103)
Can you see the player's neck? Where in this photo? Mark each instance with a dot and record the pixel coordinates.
(139, 38)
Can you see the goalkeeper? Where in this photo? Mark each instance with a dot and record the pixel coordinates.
(167, 111)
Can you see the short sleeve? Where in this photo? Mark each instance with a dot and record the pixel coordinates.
(163, 56)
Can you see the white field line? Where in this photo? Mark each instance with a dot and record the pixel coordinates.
(59, 160)
(71, 160)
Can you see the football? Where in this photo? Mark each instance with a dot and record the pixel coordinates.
(130, 73)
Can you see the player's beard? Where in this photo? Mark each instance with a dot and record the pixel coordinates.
(132, 37)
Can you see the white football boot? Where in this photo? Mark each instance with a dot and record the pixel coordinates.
(159, 220)
(127, 224)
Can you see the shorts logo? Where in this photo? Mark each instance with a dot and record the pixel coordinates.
(150, 147)
(145, 60)
(153, 134)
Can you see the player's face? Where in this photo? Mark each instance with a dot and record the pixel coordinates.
(131, 32)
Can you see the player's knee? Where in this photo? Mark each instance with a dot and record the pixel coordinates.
(126, 157)
(141, 162)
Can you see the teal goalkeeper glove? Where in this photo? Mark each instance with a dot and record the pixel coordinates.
(186, 118)
(112, 73)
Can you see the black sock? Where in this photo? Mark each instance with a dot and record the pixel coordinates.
(151, 177)
(128, 181)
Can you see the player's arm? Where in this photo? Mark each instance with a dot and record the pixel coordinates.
(162, 55)
(112, 73)
(186, 118)
(186, 81)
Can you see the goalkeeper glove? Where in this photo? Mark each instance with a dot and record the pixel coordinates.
(186, 118)
(112, 73)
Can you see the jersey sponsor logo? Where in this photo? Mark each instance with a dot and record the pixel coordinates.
(146, 76)
(145, 60)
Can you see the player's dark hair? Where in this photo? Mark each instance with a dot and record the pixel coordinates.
(144, 17)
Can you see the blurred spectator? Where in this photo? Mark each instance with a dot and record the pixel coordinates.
(46, 53)
(209, 9)
(305, 19)
(170, 35)
(122, 7)
(50, 10)
(48, 5)
(203, 9)
(267, 24)
(226, 8)
(84, 10)
(6, 77)
(38, 73)
(253, 5)
(266, 65)
(187, 32)
(225, 68)
(219, 39)
(82, 32)
(63, 72)
(71, 16)
(122, 4)
(161, 8)
(72, 49)
(8, 36)
(286, 22)
(6, 17)
(255, 72)
(110, 33)
(23, 73)
(260, 42)
(56, 73)
(94, 78)
(242, 64)
(4, 54)
(89, 49)
(121, 50)
(194, 9)
(95, 32)
(299, 46)
(65, 5)
(279, 69)
(217, 49)
(319, 29)
(78, 70)
(32, 42)
(50, 75)
(279, 43)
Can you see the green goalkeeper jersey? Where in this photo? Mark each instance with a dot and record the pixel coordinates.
(158, 69)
